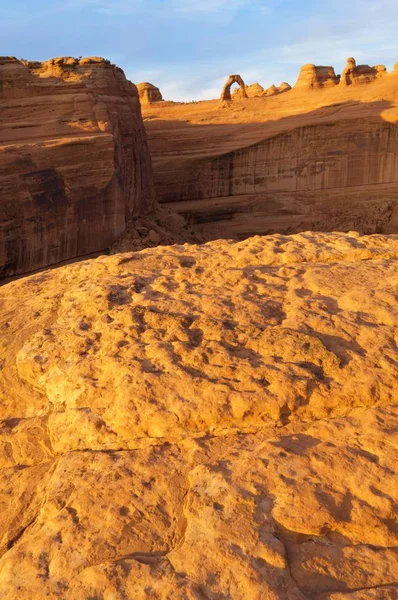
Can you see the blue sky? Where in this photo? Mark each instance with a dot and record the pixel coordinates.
(189, 47)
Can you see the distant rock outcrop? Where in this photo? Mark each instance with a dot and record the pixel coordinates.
(250, 91)
(273, 89)
(74, 163)
(358, 74)
(149, 93)
(226, 92)
(313, 77)
(284, 87)
(255, 90)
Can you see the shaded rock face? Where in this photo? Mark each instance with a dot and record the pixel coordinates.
(195, 422)
(357, 74)
(74, 163)
(149, 93)
(313, 77)
(331, 176)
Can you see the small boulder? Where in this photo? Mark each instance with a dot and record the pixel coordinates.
(154, 237)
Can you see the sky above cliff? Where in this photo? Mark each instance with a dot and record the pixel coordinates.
(189, 47)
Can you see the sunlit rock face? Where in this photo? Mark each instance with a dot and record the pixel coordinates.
(74, 163)
(149, 93)
(253, 90)
(211, 421)
(313, 77)
(354, 74)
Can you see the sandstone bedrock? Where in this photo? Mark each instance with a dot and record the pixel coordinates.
(203, 422)
(74, 162)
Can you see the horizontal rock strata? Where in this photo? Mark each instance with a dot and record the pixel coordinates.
(74, 163)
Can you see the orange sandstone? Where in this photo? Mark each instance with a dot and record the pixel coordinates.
(210, 421)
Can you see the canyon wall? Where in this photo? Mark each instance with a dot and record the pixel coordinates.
(321, 159)
(74, 163)
(311, 177)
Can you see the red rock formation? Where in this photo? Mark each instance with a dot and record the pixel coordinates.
(321, 160)
(285, 87)
(149, 93)
(297, 180)
(74, 164)
(273, 90)
(357, 74)
(251, 91)
(313, 77)
(256, 90)
(226, 92)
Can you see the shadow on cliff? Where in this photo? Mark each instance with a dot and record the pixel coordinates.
(182, 151)
(230, 137)
(215, 171)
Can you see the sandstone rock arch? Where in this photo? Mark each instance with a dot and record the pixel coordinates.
(226, 92)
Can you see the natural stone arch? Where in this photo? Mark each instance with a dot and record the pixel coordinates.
(226, 93)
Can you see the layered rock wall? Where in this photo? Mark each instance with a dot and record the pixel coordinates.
(330, 176)
(306, 158)
(74, 163)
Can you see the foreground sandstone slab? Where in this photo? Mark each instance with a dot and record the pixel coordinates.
(214, 421)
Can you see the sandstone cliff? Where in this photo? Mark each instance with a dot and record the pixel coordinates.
(74, 163)
(324, 158)
(203, 422)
